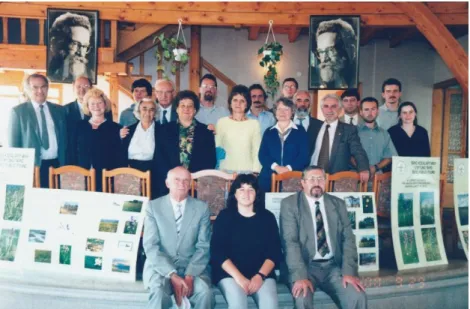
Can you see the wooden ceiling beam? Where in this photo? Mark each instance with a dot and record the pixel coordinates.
(367, 34)
(127, 38)
(450, 50)
(400, 37)
(293, 34)
(253, 33)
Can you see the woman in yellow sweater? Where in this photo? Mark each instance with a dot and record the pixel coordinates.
(238, 136)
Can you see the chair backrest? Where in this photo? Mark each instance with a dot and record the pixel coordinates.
(290, 182)
(212, 187)
(71, 177)
(383, 193)
(345, 182)
(37, 177)
(127, 180)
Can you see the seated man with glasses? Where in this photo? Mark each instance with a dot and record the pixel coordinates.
(69, 47)
(209, 113)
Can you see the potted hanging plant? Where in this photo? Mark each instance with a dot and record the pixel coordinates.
(271, 53)
(172, 52)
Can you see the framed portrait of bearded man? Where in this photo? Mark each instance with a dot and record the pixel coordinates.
(72, 44)
(334, 52)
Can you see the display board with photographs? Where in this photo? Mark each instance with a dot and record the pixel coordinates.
(461, 200)
(416, 220)
(77, 232)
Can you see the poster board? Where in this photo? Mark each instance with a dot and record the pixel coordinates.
(461, 200)
(75, 232)
(416, 220)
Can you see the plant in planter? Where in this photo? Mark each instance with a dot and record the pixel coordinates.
(271, 56)
(172, 52)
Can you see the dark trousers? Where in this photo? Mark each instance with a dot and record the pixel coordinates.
(44, 171)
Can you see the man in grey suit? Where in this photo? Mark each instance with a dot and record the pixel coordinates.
(319, 245)
(350, 100)
(40, 125)
(176, 242)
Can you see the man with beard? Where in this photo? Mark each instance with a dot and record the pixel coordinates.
(391, 93)
(375, 140)
(208, 113)
(302, 112)
(350, 102)
(258, 108)
(289, 87)
(69, 46)
(319, 245)
(336, 54)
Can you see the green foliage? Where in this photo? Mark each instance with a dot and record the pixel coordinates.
(164, 53)
(269, 61)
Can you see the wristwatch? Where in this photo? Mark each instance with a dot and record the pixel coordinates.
(263, 276)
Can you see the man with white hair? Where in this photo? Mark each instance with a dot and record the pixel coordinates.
(165, 92)
(302, 112)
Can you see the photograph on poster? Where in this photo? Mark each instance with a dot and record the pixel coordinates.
(94, 245)
(352, 201)
(8, 244)
(133, 206)
(38, 236)
(352, 218)
(14, 201)
(405, 209)
(121, 266)
(366, 223)
(367, 259)
(125, 245)
(93, 262)
(426, 206)
(108, 225)
(463, 208)
(69, 208)
(65, 254)
(42, 256)
(130, 227)
(408, 247)
(462, 200)
(431, 247)
(367, 205)
(367, 241)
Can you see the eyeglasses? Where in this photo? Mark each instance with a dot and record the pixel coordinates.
(78, 46)
(330, 51)
(160, 93)
(83, 87)
(148, 110)
(289, 87)
(210, 87)
(313, 179)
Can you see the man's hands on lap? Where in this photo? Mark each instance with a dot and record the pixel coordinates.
(301, 287)
(355, 282)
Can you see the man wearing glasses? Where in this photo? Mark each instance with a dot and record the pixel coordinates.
(165, 92)
(289, 87)
(208, 113)
(69, 46)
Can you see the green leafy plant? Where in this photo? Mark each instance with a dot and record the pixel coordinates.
(171, 52)
(271, 53)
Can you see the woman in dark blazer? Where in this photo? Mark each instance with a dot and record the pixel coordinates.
(283, 147)
(185, 142)
(98, 144)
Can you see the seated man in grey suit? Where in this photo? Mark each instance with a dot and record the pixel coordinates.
(319, 245)
(40, 125)
(176, 241)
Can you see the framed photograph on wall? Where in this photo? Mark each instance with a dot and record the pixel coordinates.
(72, 44)
(333, 52)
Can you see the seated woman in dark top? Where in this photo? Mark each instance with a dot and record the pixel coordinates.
(409, 139)
(246, 247)
(98, 144)
(185, 142)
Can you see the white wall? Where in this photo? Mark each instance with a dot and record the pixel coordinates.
(441, 72)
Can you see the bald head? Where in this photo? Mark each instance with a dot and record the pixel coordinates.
(165, 91)
(178, 181)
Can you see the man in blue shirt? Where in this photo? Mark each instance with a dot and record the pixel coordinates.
(258, 108)
(141, 88)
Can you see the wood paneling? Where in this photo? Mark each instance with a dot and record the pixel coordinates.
(437, 122)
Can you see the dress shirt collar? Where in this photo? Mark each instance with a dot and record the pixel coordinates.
(174, 203)
(149, 129)
(363, 126)
(333, 125)
(166, 109)
(312, 200)
(291, 125)
(37, 105)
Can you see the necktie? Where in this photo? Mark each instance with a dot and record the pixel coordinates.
(44, 135)
(324, 156)
(164, 120)
(351, 120)
(322, 244)
(301, 122)
(179, 218)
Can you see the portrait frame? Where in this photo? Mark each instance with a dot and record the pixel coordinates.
(348, 53)
(59, 48)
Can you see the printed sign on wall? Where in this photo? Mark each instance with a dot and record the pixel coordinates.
(461, 200)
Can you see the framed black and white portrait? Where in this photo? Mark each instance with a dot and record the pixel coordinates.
(72, 44)
(334, 52)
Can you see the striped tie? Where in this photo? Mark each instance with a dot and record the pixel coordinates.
(179, 218)
(322, 244)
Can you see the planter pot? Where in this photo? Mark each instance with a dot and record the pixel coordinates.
(267, 52)
(178, 52)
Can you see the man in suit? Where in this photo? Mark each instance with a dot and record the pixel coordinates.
(140, 88)
(302, 112)
(319, 245)
(350, 100)
(176, 242)
(333, 143)
(165, 92)
(40, 125)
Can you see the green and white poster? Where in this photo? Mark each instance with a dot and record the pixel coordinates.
(461, 200)
(416, 221)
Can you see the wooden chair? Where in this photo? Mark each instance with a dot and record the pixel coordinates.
(345, 182)
(212, 187)
(127, 180)
(383, 193)
(71, 177)
(290, 182)
(36, 177)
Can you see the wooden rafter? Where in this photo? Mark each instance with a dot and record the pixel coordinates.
(253, 33)
(439, 36)
(400, 37)
(293, 34)
(367, 34)
(127, 38)
(218, 74)
(195, 58)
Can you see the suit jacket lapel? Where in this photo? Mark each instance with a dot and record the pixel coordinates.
(34, 121)
(173, 114)
(169, 214)
(188, 216)
(332, 219)
(76, 111)
(306, 219)
(312, 131)
(336, 141)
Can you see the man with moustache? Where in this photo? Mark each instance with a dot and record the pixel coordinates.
(258, 108)
(289, 87)
(319, 245)
(140, 88)
(208, 113)
(375, 140)
(302, 113)
(350, 99)
(391, 93)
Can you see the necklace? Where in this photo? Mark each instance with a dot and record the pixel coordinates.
(93, 122)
